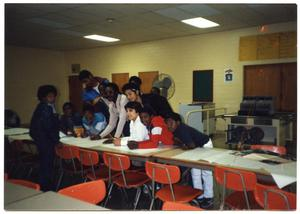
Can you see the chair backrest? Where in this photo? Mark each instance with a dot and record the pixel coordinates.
(88, 158)
(173, 206)
(116, 162)
(235, 178)
(272, 198)
(91, 192)
(25, 183)
(162, 173)
(281, 150)
(67, 152)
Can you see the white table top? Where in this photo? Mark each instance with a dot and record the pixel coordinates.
(283, 174)
(51, 201)
(14, 192)
(15, 131)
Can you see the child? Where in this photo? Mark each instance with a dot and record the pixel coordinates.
(190, 138)
(44, 130)
(138, 132)
(69, 119)
(93, 122)
(158, 131)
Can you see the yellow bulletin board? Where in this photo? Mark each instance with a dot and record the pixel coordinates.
(268, 46)
(248, 46)
(287, 44)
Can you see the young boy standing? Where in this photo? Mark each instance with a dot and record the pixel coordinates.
(189, 138)
(44, 130)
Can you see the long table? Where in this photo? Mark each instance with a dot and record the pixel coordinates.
(204, 158)
(97, 145)
(51, 201)
(14, 192)
(207, 158)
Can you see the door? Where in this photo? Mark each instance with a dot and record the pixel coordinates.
(147, 80)
(276, 80)
(75, 93)
(263, 80)
(289, 87)
(120, 79)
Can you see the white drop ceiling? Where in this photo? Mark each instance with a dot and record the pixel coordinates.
(62, 26)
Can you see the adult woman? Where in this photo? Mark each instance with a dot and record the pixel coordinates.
(158, 103)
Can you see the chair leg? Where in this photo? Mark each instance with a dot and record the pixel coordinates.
(137, 197)
(59, 180)
(108, 195)
(152, 202)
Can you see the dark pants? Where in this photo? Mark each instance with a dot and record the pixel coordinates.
(46, 156)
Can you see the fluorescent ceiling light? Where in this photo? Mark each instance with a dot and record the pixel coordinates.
(101, 38)
(200, 22)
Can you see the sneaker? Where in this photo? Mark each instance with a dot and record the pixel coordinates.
(206, 203)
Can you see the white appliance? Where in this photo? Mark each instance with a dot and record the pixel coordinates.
(201, 120)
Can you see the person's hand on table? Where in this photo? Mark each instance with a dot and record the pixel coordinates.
(187, 146)
(117, 141)
(132, 144)
(109, 141)
(95, 137)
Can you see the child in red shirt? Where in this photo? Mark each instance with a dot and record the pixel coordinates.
(158, 131)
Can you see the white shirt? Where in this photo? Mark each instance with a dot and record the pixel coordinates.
(116, 111)
(138, 132)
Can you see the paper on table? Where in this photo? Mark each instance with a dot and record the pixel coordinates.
(15, 131)
(201, 154)
(61, 135)
(82, 142)
(283, 174)
(245, 163)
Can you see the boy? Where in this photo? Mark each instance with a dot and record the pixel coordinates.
(158, 131)
(44, 130)
(138, 132)
(69, 119)
(189, 138)
(93, 122)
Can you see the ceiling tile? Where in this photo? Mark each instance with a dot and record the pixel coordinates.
(199, 9)
(62, 26)
(174, 13)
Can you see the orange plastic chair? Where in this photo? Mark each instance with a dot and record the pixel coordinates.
(68, 162)
(174, 206)
(168, 174)
(25, 183)
(91, 168)
(274, 199)
(242, 182)
(281, 150)
(127, 178)
(91, 192)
